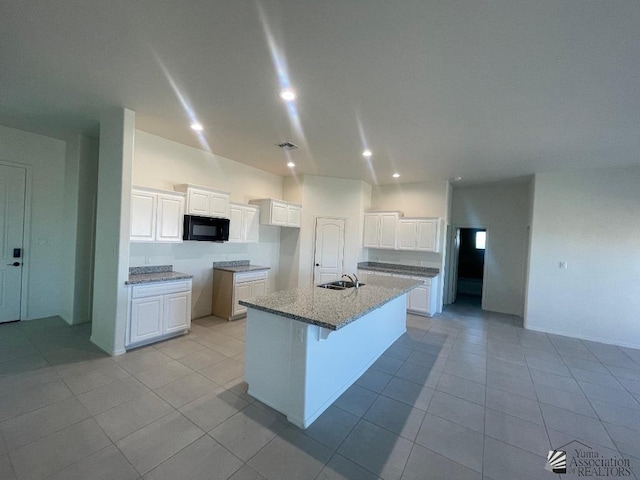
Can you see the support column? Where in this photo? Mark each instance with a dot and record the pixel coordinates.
(112, 230)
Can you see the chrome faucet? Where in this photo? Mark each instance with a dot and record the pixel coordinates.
(354, 279)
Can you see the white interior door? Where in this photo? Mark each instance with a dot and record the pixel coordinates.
(329, 251)
(12, 190)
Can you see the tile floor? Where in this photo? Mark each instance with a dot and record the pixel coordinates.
(466, 395)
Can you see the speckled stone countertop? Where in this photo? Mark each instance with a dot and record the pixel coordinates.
(400, 269)
(333, 309)
(238, 266)
(154, 273)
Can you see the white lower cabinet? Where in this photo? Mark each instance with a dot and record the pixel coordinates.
(246, 289)
(158, 311)
(231, 287)
(422, 300)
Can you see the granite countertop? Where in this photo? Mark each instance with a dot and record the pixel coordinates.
(154, 273)
(238, 266)
(333, 309)
(416, 271)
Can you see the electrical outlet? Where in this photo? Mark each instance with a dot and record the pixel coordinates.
(562, 265)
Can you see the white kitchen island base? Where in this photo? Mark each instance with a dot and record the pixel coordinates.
(300, 369)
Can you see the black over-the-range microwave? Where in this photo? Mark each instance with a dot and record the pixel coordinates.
(205, 229)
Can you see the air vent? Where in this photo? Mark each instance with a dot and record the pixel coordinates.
(287, 146)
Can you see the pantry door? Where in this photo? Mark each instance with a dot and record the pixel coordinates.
(12, 201)
(329, 252)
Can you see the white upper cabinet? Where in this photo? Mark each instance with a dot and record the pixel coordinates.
(428, 235)
(380, 229)
(388, 229)
(293, 215)
(420, 234)
(205, 201)
(371, 230)
(243, 223)
(392, 231)
(156, 215)
(278, 212)
(143, 215)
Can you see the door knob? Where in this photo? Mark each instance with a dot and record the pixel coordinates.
(317, 264)
(14, 264)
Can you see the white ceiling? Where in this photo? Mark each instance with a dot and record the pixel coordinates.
(484, 89)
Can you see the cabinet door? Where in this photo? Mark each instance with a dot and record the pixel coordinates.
(418, 299)
(388, 230)
(198, 202)
(169, 219)
(293, 219)
(241, 291)
(146, 318)
(219, 205)
(143, 216)
(258, 288)
(251, 222)
(427, 235)
(279, 214)
(236, 226)
(406, 234)
(177, 312)
(371, 230)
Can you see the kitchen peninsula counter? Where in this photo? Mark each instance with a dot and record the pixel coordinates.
(306, 346)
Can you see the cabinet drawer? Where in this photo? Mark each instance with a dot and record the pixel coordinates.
(161, 288)
(250, 276)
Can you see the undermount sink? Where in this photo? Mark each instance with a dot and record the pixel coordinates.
(339, 285)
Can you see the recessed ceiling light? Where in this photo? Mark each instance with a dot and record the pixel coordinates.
(367, 153)
(288, 94)
(197, 127)
(396, 175)
(291, 164)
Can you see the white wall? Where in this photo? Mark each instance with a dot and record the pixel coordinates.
(161, 163)
(330, 197)
(86, 219)
(590, 220)
(503, 209)
(48, 280)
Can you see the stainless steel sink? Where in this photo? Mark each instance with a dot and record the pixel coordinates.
(339, 285)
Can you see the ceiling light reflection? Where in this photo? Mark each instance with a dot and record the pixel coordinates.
(288, 94)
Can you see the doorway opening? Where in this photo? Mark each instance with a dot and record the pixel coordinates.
(470, 270)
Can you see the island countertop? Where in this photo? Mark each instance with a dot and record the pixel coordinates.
(333, 309)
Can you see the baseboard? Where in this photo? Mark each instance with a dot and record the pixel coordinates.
(582, 337)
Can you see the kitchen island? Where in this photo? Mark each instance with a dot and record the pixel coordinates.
(306, 346)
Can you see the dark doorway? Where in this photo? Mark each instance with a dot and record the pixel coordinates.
(471, 266)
